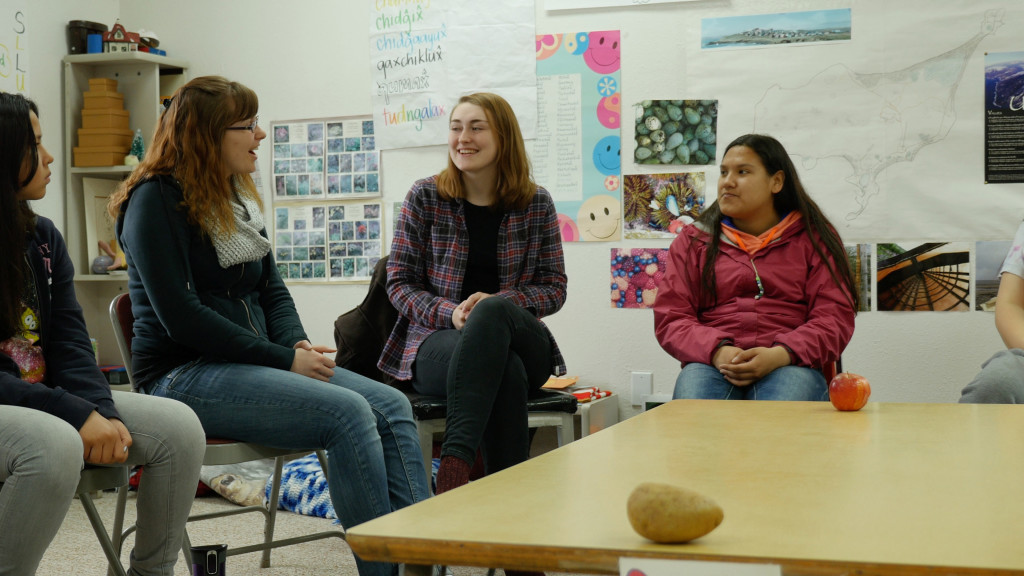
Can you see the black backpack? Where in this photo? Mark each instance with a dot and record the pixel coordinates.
(361, 333)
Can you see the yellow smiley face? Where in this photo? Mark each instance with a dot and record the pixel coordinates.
(599, 219)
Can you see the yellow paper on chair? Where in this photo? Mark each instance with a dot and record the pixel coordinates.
(561, 383)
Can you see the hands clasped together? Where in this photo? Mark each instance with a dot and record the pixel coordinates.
(461, 312)
(744, 367)
(105, 441)
(310, 361)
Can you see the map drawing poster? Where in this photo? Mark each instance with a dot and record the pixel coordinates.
(424, 55)
(577, 153)
(873, 125)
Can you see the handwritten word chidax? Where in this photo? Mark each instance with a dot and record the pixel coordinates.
(399, 18)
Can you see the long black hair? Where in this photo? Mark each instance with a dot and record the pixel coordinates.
(791, 197)
(18, 152)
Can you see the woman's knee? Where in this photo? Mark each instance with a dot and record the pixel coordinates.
(1000, 381)
(797, 383)
(698, 380)
(491, 310)
(51, 454)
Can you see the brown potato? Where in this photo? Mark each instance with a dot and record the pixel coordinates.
(666, 514)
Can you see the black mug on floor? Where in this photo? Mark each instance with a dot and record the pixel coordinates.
(209, 560)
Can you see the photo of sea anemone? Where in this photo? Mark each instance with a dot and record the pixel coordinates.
(659, 205)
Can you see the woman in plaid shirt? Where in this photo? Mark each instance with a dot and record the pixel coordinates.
(475, 263)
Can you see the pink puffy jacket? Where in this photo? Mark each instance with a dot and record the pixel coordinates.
(802, 307)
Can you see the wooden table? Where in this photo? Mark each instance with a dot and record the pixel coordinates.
(892, 489)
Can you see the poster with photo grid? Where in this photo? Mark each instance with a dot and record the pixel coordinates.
(332, 159)
(329, 242)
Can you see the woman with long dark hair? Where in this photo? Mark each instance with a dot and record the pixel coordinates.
(56, 408)
(758, 296)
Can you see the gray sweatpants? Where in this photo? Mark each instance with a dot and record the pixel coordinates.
(41, 460)
(1001, 380)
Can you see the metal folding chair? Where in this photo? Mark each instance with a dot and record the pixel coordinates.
(219, 451)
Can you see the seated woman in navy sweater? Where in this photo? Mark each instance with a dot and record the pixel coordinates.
(56, 409)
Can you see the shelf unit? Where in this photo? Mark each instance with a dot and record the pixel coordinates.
(143, 79)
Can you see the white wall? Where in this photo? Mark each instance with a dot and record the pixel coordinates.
(309, 59)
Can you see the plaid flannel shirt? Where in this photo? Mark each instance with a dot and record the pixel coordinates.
(428, 264)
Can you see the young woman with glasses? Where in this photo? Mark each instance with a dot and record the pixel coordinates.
(216, 328)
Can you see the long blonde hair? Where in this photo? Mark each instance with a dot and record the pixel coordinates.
(515, 186)
(187, 147)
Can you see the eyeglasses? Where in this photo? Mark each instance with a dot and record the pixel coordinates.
(249, 127)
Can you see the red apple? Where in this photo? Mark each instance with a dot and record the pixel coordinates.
(849, 391)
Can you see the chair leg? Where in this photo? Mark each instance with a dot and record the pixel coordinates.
(101, 534)
(322, 457)
(566, 430)
(116, 538)
(186, 547)
(275, 496)
(426, 437)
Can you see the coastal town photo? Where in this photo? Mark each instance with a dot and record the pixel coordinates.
(814, 26)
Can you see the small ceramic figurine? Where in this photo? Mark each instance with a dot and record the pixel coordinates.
(112, 258)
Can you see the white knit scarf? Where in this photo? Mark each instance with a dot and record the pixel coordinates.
(246, 244)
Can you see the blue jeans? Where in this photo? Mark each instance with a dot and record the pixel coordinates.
(374, 463)
(703, 381)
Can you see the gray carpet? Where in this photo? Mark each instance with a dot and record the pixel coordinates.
(75, 551)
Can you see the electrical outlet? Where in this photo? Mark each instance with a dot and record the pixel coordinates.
(642, 384)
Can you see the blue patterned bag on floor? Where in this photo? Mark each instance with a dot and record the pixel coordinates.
(304, 488)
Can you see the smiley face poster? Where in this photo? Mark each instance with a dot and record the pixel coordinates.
(577, 153)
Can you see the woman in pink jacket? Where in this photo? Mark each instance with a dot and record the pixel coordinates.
(758, 296)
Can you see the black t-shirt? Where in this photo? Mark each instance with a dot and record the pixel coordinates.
(483, 223)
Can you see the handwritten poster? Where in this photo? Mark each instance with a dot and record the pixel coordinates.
(577, 153)
(577, 4)
(425, 54)
(14, 48)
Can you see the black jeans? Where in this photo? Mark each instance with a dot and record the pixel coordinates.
(486, 371)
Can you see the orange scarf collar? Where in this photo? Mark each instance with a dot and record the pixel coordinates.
(750, 243)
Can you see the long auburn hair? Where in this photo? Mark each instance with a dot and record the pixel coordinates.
(515, 186)
(792, 197)
(187, 147)
(18, 153)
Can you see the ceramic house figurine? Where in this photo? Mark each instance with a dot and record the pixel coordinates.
(120, 40)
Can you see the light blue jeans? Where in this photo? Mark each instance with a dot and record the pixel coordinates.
(702, 381)
(41, 461)
(374, 463)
